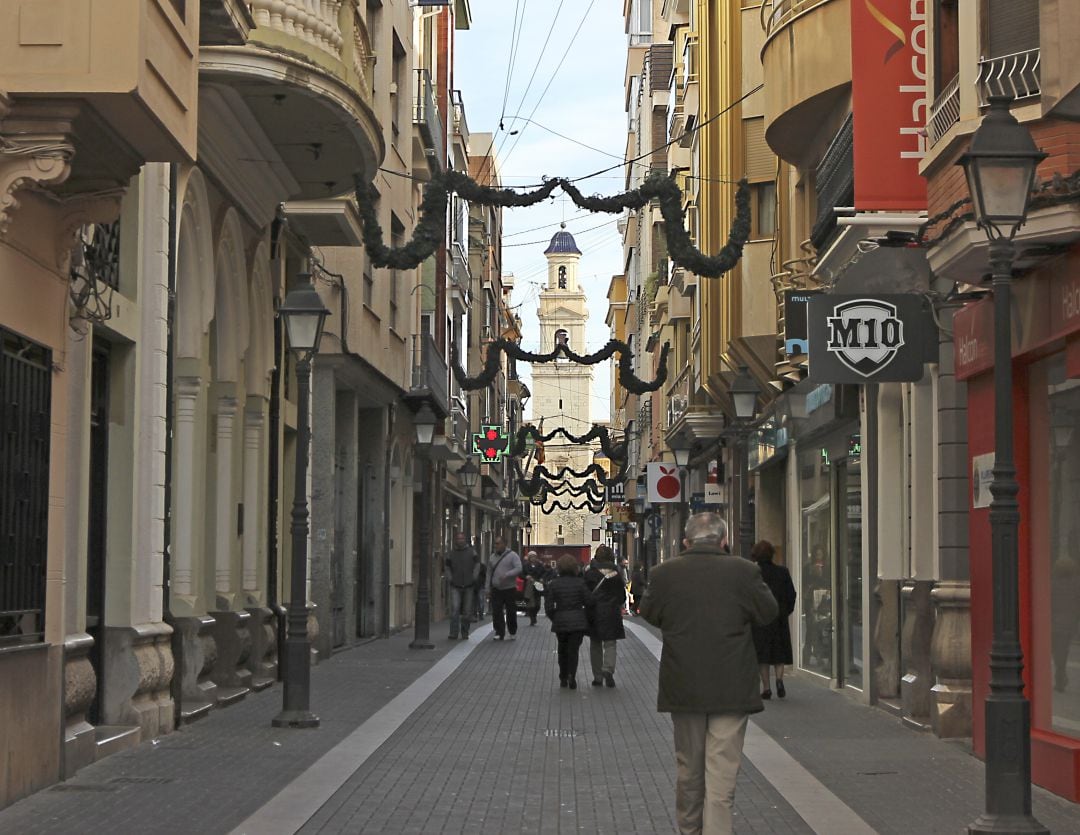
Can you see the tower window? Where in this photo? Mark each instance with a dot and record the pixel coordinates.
(560, 405)
(562, 278)
(562, 338)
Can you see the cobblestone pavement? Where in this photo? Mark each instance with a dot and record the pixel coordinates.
(498, 747)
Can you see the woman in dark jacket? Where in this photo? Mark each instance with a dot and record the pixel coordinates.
(773, 642)
(637, 588)
(568, 605)
(608, 594)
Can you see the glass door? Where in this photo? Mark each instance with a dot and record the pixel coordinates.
(849, 565)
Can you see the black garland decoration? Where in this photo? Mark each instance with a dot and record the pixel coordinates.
(431, 228)
(629, 381)
(557, 505)
(531, 485)
(615, 450)
(590, 488)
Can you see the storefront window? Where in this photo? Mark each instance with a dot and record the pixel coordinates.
(816, 592)
(1055, 545)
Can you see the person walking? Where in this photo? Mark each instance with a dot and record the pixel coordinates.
(568, 605)
(637, 589)
(479, 591)
(463, 567)
(533, 573)
(772, 642)
(604, 581)
(504, 567)
(704, 603)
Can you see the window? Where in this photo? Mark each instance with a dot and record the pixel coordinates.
(369, 287)
(562, 337)
(25, 434)
(400, 92)
(763, 202)
(562, 278)
(946, 44)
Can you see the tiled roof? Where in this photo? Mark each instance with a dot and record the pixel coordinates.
(562, 242)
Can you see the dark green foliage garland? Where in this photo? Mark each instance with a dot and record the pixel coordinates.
(531, 485)
(431, 228)
(588, 488)
(629, 381)
(557, 505)
(616, 451)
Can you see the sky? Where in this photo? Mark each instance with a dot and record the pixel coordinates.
(576, 90)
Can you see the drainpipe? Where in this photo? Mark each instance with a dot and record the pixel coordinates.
(277, 233)
(176, 686)
(384, 625)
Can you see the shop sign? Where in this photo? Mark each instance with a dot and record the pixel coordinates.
(1065, 304)
(796, 338)
(973, 338)
(854, 447)
(870, 339)
(889, 102)
(616, 493)
(712, 485)
(664, 484)
(982, 474)
(697, 502)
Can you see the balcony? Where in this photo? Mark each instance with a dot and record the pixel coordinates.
(806, 61)
(123, 69)
(429, 375)
(305, 75)
(1015, 75)
(834, 184)
(426, 117)
(944, 112)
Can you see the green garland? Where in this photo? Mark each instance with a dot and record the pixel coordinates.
(616, 451)
(627, 378)
(430, 230)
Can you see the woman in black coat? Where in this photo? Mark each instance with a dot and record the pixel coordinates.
(568, 604)
(609, 595)
(773, 642)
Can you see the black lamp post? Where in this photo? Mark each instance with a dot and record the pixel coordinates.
(1000, 167)
(680, 448)
(744, 395)
(304, 314)
(424, 421)
(527, 527)
(469, 474)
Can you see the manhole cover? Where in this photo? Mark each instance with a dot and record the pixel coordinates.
(561, 733)
(142, 780)
(82, 787)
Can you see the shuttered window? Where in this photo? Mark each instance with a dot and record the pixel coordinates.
(760, 160)
(1011, 26)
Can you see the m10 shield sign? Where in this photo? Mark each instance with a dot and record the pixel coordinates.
(870, 339)
(889, 103)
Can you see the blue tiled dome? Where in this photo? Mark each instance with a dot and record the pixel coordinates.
(562, 242)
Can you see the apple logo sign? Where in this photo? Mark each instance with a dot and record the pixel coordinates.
(668, 484)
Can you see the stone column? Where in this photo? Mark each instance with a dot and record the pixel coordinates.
(184, 599)
(254, 536)
(225, 522)
(951, 644)
(915, 647)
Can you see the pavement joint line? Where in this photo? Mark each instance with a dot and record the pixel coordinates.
(298, 802)
(822, 810)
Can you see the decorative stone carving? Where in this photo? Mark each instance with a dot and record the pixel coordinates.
(262, 660)
(886, 640)
(198, 654)
(950, 654)
(139, 670)
(233, 639)
(80, 689)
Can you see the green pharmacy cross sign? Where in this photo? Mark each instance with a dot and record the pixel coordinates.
(491, 443)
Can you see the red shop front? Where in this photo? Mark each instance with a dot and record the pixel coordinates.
(1046, 404)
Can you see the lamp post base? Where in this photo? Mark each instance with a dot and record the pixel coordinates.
(421, 643)
(1007, 825)
(295, 719)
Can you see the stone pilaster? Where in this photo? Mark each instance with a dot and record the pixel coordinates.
(886, 643)
(198, 652)
(80, 688)
(233, 639)
(262, 660)
(950, 653)
(187, 394)
(138, 673)
(225, 522)
(915, 648)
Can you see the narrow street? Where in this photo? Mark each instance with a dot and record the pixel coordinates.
(477, 737)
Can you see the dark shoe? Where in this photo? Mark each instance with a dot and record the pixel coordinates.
(766, 694)
(780, 691)
(609, 679)
(451, 637)
(513, 637)
(573, 684)
(498, 637)
(597, 683)
(562, 682)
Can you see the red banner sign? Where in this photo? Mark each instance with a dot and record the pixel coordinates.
(889, 102)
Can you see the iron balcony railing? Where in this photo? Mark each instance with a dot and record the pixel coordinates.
(944, 112)
(1016, 75)
(834, 184)
(427, 118)
(430, 371)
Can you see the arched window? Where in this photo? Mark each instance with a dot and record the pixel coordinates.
(562, 278)
(562, 337)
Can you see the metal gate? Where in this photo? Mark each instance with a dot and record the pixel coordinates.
(25, 400)
(97, 518)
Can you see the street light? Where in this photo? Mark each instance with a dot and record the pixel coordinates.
(469, 474)
(1000, 167)
(528, 532)
(744, 396)
(424, 422)
(304, 314)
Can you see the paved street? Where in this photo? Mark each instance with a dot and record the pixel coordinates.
(479, 738)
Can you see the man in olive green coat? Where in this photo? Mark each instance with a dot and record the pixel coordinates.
(705, 602)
